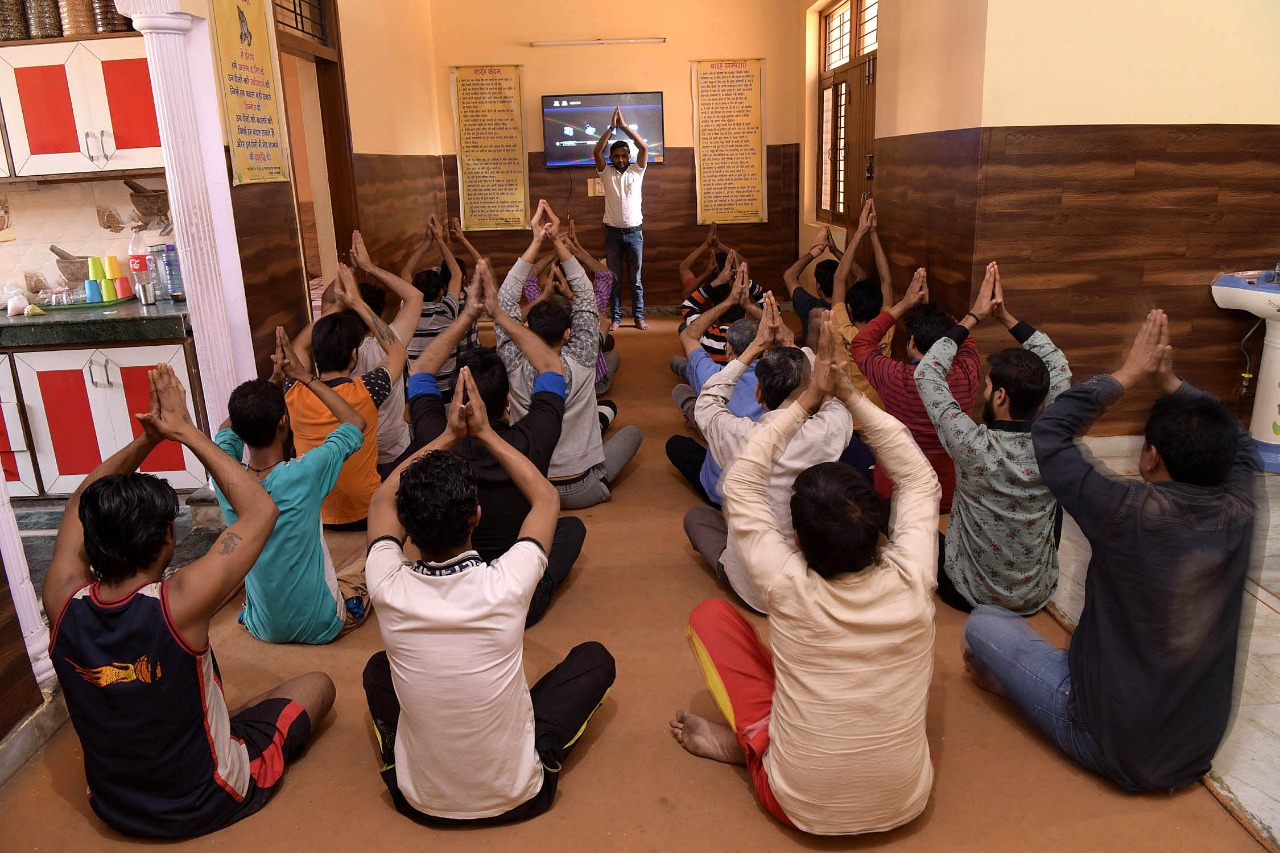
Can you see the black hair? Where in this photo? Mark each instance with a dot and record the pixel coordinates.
(779, 372)
(1023, 377)
(256, 408)
(430, 283)
(740, 334)
(374, 296)
(551, 318)
(446, 276)
(865, 300)
(926, 323)
(837, 516)
(334, 339)
(825, 275)
(435, 502)
(1196, 438)
(490, 376)
(127, 519)
(619, 144)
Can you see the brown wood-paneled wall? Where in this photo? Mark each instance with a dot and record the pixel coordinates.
(275, 282)
(1093, 226)
(19, 694)
(397, 193)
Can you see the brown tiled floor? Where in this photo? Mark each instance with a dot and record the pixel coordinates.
(629, 786)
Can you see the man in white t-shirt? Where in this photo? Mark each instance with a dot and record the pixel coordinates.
(623, 219)
(475, 744)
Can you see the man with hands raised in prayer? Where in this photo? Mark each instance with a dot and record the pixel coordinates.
(623, 217)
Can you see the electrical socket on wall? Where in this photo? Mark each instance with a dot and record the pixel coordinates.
(595, 187)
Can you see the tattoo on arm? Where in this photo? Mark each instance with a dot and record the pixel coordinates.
(229, 544)
(383, 331)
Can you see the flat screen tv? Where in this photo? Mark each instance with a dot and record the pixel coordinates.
(572, 124)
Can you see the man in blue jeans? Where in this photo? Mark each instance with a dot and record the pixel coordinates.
(623, 218)
(1143, 695)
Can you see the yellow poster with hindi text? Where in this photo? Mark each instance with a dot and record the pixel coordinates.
(250, 91)
(493, 167)
(728, 138)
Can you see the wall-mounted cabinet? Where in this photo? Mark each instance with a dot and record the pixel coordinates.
(78, 107)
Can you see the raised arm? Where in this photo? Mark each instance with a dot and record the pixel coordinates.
(691, 334)
(450, 262)
(1033, 341)
(441, 347)
(419, 252)
(597, 153)
(589, 261)
(882, 260)
(196, 592)
(791, 278)
(405, 322)
(455, 228)
(687, 274)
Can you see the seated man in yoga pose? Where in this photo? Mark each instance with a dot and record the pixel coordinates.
(583, 466)
(895, 381)
(1143, 695)
(162, 755)
(293, 594)
(1001, 543)
(829, 718)
(780, 372)
(694, 461)
(464, 739)
(503, 506)
(710, 294)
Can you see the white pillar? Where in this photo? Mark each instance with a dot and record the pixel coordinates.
(184, 83)
(34, 632)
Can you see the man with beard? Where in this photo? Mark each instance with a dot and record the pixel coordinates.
(623, 217)
(1001, 543)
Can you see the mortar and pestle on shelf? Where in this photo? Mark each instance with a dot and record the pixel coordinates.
(152, 205)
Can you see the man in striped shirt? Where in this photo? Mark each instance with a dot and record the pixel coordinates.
(895, 381)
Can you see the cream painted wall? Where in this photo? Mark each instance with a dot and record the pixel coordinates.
(499, 32)
(1132, 62)
(931, 62)
(392, 86)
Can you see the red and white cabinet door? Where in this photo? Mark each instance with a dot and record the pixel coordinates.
(81, 404)
(79, 107)
(16, 463)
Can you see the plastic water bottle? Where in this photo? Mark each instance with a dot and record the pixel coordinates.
(173, 273)
(138, 268)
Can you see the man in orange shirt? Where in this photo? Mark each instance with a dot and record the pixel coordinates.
(334, 339)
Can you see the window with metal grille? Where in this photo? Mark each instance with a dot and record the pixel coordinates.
(303, 16)
(868, 20)
(837, 25)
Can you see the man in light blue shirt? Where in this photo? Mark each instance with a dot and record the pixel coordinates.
(690, 458)
(293, 593)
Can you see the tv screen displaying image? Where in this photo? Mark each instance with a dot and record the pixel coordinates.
(572, 125)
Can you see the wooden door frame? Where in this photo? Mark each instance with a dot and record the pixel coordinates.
(334, 113)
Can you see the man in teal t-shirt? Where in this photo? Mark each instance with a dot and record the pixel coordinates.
(293, 594)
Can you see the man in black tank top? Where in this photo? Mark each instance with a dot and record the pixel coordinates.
(163, 756)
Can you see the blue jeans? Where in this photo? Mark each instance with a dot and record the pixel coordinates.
(1035, 675)
(628, 248)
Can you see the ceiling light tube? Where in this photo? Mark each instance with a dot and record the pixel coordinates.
(581, 42)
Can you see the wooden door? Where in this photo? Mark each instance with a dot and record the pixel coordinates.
(860, 135)
(47, 111)
(117, 83)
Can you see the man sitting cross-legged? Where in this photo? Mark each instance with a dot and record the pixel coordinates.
(829, 717)
(895, 381)
(503, 506)
(162, 755)
(293, 594)
(712, 293)
(583, 466)
(463, 738)
(690, 458)
(1001, 542)
(1143, 695)
(333, 341)
(780, 373)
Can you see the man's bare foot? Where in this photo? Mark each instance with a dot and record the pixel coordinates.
(642, 325)
(706, 739)
(980, 674)
(615, 326)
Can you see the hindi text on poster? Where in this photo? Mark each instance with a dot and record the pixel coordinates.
(728, 98)
(493, 174)
(250, 92)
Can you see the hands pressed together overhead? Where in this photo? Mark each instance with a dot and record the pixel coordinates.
(1150, 358)
(167, 417)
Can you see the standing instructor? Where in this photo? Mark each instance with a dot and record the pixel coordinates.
(623, 220)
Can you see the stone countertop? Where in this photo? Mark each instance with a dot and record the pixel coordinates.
(125, 323)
